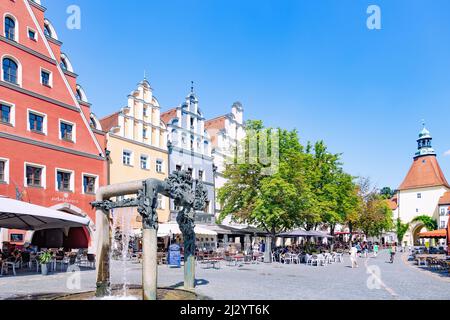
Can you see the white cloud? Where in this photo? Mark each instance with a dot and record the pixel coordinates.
(447, 153)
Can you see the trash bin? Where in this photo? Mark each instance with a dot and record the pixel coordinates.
(174, 256)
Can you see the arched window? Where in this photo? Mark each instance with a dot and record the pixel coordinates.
(47, 31)
(63, 64)
(10, 28)
(78, 94)
(10, 71)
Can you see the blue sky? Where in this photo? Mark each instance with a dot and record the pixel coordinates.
(306, 64)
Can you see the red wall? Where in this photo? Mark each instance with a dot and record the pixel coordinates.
(20, 152)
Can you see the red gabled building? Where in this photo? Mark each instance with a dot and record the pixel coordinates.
(51, 146)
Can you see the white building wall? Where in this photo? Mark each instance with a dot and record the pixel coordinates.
(411, 206)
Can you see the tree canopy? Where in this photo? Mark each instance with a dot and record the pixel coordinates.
(308, 189)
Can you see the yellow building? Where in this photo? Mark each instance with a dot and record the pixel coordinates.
(137, 142)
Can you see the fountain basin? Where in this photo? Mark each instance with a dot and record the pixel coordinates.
(133, 293)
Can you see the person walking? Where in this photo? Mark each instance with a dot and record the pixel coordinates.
(375, 249)
(353, 256)
(392, 251)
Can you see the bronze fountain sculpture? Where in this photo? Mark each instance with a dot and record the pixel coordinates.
(187, 194)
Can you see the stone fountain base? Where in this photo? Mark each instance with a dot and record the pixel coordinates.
(133, 293)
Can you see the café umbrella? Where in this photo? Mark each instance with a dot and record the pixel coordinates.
(26, 216)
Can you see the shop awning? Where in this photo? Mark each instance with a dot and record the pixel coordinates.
(304, 233)
(26, 216)
(437, 234)
(165, 229)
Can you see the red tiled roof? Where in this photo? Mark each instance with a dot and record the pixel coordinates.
(213, 127)
(168, 115)
(392, 203)
(110, 121)
(434, 234)
(445, 199)
(424, 172)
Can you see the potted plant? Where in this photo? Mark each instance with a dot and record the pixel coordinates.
(45, 259)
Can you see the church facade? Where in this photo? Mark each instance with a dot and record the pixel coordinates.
(424, 191)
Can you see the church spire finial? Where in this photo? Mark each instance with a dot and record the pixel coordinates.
(192, 86)
(424, 143)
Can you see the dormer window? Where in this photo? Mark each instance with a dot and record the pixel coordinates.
(47, 31)
(10, 29)
(63, 65)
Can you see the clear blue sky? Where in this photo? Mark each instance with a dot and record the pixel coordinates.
(306, 64)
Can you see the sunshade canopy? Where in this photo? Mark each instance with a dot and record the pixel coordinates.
(26, 216)
(437, 234)
(166, 229)
(304, 233)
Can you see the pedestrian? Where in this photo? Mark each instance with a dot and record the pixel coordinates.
(375, 249)
(353, 256)
(392, 251)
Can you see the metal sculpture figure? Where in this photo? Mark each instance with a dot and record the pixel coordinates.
(180, 187)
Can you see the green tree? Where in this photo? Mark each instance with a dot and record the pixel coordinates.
(427, 221)
(387, 193)
(376, 216)
(401, 229)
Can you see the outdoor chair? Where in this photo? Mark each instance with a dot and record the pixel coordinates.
(321, 260)
(296, 259)
(312, 260)
(13, 264)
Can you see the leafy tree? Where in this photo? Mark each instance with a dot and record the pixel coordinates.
(309, 189)
(401, 229)
(375, 216)
(387, 193)
(427, 221)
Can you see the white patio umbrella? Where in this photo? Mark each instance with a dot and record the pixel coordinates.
(165, 229)
(26, 216)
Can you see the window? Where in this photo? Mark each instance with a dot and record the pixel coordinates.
(63, 181)
(47, 31)
(443, 224)
(66, 131)
(190, 172)
(78, 94)
(2, 171)
(144, 133)
(45, 78)
(145, 111)
(200, 175)
(144, 162)
(178, 168)
(5, 113)
(89, 184)
(126, 158)
(419, 196)
(159, 166)
(160, 202)
(32, 34)
(192, 123)
(443, 212)
(63, 64)
(10, 29)
(10, 69)
(34, 176)
(36, 122)
(16, 237)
